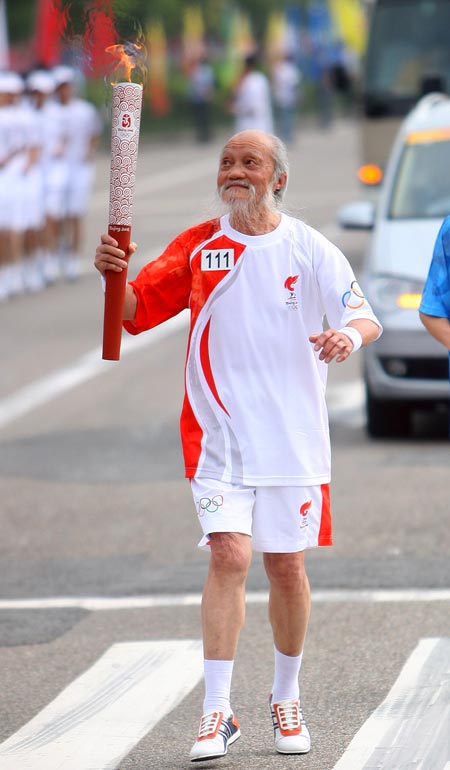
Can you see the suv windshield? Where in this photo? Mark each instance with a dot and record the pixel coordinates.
(422, 186)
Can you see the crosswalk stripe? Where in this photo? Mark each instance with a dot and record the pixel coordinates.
(105, 712)
(411, 726)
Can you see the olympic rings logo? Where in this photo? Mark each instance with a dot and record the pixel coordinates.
(209, 504)
(354, 298)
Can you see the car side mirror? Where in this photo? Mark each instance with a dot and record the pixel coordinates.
(359, 215)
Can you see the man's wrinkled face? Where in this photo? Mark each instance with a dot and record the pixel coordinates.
(246, 171)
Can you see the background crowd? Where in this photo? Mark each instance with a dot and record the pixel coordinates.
(221, 68)
(48, 137)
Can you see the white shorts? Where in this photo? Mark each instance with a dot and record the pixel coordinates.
(80, 184)
(278, 519)
(33, 199)
(55, 188)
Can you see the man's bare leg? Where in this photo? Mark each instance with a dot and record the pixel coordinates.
(289, 609)
(223, 613)
(290, 600)
(223, 604)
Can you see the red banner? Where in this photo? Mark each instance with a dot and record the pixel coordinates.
(51, 22)
(100, 33)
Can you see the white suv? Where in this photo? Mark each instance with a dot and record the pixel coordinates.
(406, 368)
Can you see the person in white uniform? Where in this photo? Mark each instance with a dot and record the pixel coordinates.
(82, 129)
(286, 84)
(252, 101)
(6, 200)
(18, 176)
(254, 423)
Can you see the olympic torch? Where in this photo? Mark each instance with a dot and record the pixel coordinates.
(125, 124)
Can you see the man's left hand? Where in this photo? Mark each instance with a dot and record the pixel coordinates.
(332, 344)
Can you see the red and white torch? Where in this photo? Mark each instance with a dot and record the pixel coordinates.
(126, 119)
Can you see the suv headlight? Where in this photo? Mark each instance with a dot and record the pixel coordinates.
(390, 293)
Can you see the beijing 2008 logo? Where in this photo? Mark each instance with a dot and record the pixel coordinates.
(209, 504)
(354, 297)
(126, 124)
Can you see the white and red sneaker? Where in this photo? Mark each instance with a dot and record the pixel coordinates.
(290, 731)
(215, 734)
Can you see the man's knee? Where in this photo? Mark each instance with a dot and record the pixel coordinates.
(230, 552)
(286, 571)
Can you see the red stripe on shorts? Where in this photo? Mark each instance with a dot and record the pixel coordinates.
(325, 534)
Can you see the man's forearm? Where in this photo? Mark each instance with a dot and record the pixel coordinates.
(369, 330)
(439, 328)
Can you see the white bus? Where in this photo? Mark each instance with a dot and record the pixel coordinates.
(408, 55)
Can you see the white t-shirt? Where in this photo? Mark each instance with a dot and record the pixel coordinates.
(254, 411)
(285, 83)
(24, 136)
(252, 105)
(7, 145)
(54, 132)
(82, 125)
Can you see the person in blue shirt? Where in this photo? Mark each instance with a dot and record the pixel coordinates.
(434, 308)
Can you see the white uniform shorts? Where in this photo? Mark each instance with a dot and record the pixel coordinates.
(80, 184)
(56, 184)
(278, 519)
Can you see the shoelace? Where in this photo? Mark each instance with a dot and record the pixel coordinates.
(209, 723)
(289, 714)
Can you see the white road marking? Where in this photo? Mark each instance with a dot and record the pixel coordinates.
(411, 727)
(100, 716)
(163, 180)
(104, 603)
(87, 367)
(345, 402)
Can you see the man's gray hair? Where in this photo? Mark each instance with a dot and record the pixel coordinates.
(281, 166)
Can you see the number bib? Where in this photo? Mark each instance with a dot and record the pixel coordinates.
(217, 259)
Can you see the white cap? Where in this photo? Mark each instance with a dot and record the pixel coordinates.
(63, 74)
(41, 81)
(11, 83)
(3, 82)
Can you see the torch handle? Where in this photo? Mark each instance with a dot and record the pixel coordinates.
(115, 298)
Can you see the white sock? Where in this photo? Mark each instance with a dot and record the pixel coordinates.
(218, 675)
(285, 682)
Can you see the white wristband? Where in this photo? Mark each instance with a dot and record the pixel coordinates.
(103, 280)
(354, 335)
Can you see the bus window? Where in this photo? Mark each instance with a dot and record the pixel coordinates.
(408, 55)
(408, 43)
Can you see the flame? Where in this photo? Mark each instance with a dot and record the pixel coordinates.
(130, 66)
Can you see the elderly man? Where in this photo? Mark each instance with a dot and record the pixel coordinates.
(254, 423)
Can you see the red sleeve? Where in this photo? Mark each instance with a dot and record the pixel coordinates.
(162, 287)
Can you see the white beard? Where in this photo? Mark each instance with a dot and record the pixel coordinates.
(245, 212)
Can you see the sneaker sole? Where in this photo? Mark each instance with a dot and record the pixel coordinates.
(304, 751)
(232, 740)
